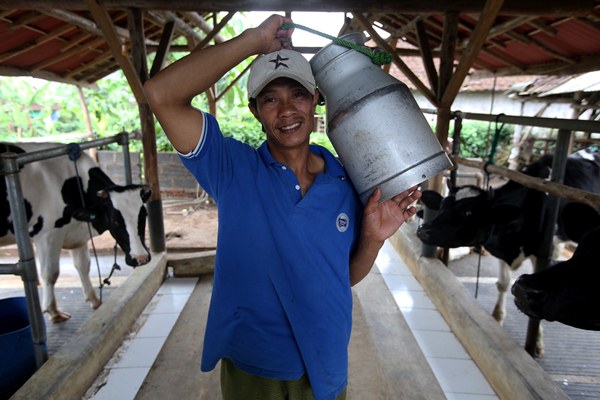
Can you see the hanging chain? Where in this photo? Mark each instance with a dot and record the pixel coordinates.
(74, 153)
(378, 57)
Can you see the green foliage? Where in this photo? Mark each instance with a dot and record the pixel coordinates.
(245, 129)
(476, 138)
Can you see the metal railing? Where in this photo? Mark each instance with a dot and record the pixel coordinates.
(25, 266)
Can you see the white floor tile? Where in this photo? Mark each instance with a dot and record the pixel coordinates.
(158, 325)
(138, 352)
(459, 376)
(440, 344)
(424, 320)
(169, 303)
(122, 384)
(402, 282)
(389, 262)
(470, 396)
(177, 286)
(412, 299)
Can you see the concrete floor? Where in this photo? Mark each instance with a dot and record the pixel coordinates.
(399, 347)
(161, 355)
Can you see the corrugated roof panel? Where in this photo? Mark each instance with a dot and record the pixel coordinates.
(589, 82)
(574, 37)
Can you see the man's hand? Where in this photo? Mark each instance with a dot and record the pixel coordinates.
(382, 220)
(274, 38)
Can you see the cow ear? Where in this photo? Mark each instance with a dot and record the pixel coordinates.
(431, 199)
(103, 194)
(84, 214)
(504, 213)
(145, 193)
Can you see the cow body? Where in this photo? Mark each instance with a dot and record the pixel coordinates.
(507, 221)
(58, 219)
(568, 291)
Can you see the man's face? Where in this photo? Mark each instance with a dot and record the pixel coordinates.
(286, 110)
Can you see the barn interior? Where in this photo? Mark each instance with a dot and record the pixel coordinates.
(82, 41)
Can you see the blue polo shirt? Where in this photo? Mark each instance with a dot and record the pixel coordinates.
(281, 304)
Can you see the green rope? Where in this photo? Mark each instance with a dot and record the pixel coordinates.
(378, 57)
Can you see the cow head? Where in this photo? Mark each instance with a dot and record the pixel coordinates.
(465, 217)
(121, 210)
(567, 292)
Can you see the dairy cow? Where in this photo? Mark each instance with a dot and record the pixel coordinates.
(507, 221)
(58, 218)
(568, 291)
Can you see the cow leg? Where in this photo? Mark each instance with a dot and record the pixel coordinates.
(81, 260)
(48, 257)
(503, 282)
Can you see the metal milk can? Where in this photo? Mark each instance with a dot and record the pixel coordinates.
(374, 123)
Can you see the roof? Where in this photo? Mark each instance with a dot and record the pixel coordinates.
(65, 40)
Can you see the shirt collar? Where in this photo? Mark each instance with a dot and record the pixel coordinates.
(332, 166)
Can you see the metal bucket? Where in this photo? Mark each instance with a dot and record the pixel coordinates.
(17, 356)
(374, 123)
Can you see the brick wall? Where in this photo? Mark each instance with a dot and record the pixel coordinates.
(173, 177)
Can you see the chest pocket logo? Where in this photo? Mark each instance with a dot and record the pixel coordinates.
(342, 222)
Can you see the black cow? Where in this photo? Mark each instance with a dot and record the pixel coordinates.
(57, 218)
(568, 291)
(507, 221)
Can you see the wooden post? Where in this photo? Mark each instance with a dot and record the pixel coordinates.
(154, 205)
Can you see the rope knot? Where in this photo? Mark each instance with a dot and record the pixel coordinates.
(382, 58)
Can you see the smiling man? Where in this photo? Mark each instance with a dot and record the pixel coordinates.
(293, 236)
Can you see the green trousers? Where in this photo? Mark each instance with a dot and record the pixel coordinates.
(239, 385)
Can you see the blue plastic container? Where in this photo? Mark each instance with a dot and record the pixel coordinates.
(17, 357)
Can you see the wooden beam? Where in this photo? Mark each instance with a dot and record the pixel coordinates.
(181, 26)
(393, 43)
(401, 65)
(553, 188)
(449, 36)
(163, 48)
(90, 46)
(204, 26)
(135, 24)
(511, 7)
(45, 75)
(213, 32)
(484, 23)
(103, 20)
(427, 55)
(90, 65)
(33, 44)
(82, 22)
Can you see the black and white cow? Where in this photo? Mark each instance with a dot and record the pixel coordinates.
(568, 291)
(57, 219)
(507, 221)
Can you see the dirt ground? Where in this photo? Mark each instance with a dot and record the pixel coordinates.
(190, 224)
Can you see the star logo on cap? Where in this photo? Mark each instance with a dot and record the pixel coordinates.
(278, 61)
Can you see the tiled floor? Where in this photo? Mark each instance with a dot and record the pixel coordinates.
(125, 373)
(457, 374)
(459, 377)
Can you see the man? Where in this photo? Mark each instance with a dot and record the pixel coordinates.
(293, 236)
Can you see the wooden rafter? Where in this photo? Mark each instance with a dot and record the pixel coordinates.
(484, 24)
(105, 23)
(426, 55)
(34, 44)
(214, 32)
(45, 75)
(511, 7)
(399, 63)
